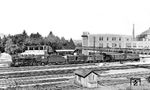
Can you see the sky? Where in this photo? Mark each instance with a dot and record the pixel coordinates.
(70, 18)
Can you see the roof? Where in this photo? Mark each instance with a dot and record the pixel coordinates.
(146, 32)
(34, 52)
(65, 50)
(111, 35)
(125, 71)
(113, 53)
(5, 57)
(84, 72)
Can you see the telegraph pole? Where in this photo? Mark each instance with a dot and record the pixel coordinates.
(94, 46)
(133, 33)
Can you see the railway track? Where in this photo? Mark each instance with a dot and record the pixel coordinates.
(34, 68)
(51, 71)
(32, 81)
(42, 77)
(48, 69)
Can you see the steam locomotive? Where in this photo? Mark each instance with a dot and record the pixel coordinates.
(54, 59)
(44, 55)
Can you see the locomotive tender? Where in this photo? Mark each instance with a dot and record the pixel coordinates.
(43, 55)
(72, 59)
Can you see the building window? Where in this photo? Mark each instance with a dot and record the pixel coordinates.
(107, 38)
(134, 45)
(79, 78)
(119, 45)
(90, 77)
(128, 45)
(113, 38)
(107, 44)
(127, 39)
(93, 77)
(114, 45)
(101, 45)
(120, 39)
(101, 38)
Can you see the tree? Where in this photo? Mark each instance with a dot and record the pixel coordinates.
(3, 42)
(67, 44)
(24, 33)
(148, 79)
(51, 38)
(10, 47)
(71, 44)
(63, 40)
(19, 40)
(1, 46)
(53, 41)
(37, 35)
(34, 39)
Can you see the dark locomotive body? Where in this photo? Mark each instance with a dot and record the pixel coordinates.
(54, 59)
(39, 60)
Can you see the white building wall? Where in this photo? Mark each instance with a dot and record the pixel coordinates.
(85, 82)
(90, 78)
(141, 44)
(85, 42)
(114, 41)
(107, 40)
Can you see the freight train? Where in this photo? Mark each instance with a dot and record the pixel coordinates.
(53, 59)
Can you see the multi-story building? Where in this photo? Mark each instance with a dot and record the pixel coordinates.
(142, 41)
(144, 36)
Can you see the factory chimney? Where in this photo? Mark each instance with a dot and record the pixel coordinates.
(133, 33)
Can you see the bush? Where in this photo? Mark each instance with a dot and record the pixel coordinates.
(148, 79)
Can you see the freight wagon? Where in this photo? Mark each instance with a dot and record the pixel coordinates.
(72, 59)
